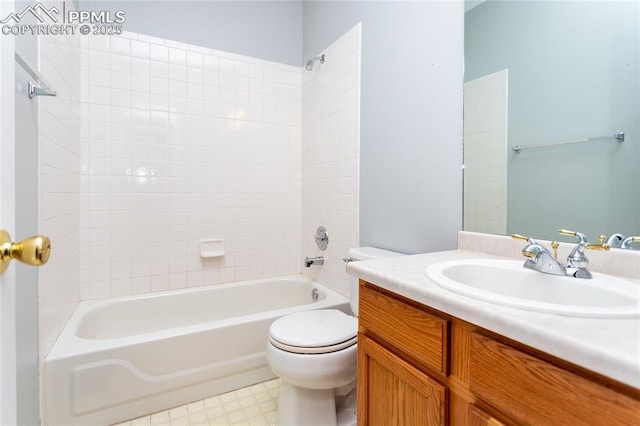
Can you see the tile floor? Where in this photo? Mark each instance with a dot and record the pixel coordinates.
(251, 406)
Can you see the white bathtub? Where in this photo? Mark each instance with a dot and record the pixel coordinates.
(121, 358)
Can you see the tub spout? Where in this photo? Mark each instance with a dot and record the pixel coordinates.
(318, 260)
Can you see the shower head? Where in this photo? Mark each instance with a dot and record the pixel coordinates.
(309, 65)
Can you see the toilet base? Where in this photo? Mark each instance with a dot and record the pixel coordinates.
(347, 418)
(310, 407)
(346, 408)
(300, 406)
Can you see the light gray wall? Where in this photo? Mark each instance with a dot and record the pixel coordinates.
(573, 73)
(270, 30)
(411, 116)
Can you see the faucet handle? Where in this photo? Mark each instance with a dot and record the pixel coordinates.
(602, 247)
(525, 251)
(577, 259)
(580, 236)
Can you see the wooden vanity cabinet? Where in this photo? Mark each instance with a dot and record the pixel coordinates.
(419, 366)
(478, 417)
(403, 359)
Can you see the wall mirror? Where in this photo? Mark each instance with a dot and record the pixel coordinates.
(545, 73)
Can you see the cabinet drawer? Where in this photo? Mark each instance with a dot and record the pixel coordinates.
(421, 336)
(533, 391)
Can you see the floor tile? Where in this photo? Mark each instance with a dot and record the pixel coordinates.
(255, 405)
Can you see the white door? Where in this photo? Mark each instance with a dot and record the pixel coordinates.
(8, 403)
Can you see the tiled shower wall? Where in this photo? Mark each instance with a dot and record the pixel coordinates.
(330, 158)
(59, 195)
(485, 154)
(182, 143)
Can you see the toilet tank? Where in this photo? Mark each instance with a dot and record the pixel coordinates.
(365, 253)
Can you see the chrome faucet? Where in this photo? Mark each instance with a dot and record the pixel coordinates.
(317, 260)
(539, 258)
(577, 260)
(614, 240)
(626, 243)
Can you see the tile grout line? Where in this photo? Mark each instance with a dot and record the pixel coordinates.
(255, 405)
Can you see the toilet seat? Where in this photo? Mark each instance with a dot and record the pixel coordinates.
(314, 332)
(313, 351)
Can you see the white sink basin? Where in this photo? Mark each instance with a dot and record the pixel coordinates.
(508, 283)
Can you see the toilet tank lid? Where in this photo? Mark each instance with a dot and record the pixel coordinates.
(368, 253)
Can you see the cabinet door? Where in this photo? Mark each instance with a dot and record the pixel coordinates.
(478, 417)
(391, 392)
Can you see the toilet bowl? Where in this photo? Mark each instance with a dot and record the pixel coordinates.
(312, 365)
(314, 353)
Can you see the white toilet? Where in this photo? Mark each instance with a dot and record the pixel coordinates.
(314, 353)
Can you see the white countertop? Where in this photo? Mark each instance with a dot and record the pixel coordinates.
(610, 347)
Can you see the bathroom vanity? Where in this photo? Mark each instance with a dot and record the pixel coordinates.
(430, 356)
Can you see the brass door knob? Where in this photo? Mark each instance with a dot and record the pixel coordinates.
(32, 251)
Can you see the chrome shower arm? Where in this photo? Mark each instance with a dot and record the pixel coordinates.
(309, 65)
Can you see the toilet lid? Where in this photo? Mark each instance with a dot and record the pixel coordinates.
(321, 329)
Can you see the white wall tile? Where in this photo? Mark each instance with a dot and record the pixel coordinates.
(330, 107)
(485, 136)
(140, 49)
(120, 45)
(98, 59)
(158, 53)
(120, 63)
(59, 167)
(140, 66)
(172, 159)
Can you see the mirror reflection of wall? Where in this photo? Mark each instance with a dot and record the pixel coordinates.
(572, 74)
(485, 153)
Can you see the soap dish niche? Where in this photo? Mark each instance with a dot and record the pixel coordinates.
(211, 248)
